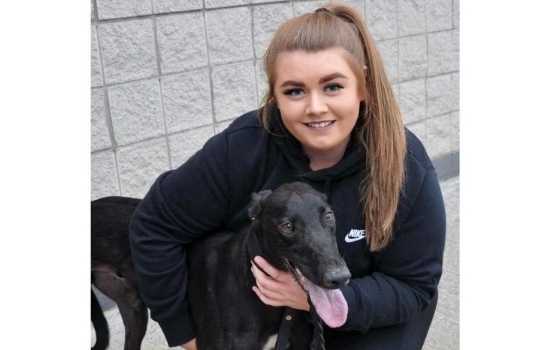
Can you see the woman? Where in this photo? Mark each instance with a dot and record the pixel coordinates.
(330, 119)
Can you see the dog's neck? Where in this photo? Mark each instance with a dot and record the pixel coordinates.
(255, 245)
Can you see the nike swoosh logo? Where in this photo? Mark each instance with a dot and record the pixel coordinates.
(354, 236)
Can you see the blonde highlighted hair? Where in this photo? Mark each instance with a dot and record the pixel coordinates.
(380, 130)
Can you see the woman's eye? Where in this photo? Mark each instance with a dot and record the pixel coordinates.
(291, 92)
(337, 86)
(297, 92)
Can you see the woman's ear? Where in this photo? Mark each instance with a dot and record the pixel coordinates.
(256, 205)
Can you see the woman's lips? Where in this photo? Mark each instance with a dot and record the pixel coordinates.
(320, 125)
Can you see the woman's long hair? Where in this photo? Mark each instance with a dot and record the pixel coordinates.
(380, 126)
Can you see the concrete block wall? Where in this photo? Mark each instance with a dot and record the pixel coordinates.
(168, 74)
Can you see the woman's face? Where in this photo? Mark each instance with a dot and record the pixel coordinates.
(318, 97)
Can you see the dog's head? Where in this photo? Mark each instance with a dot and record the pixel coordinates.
(297, 224)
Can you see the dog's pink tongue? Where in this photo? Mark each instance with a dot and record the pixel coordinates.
(330, 304)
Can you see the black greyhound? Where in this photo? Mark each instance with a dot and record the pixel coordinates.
(292, 227)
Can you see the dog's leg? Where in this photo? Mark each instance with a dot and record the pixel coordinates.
(131, 308)
(100, 325)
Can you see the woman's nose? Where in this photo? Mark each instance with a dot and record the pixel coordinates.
(317, 104)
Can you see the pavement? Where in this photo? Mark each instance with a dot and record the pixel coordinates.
(444, 331)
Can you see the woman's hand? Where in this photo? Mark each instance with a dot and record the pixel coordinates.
(190, 345)
(276, 287)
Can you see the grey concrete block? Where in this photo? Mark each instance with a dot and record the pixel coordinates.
(301, 8)
(413, 57)
(184, 145)
(443, 94)
(412, 17)
(104, 176)
(140, 164)
(389, 50)
(266, 21)
(100, 130)
(128, 50)
(182, 42)
(262, 1)
(95, 63)
(395, 90)
(187, 100)
(456, 13)
(163, 6)
(229, 35)
(439, 133)
(107, 9)
(93, 13)
(223, 3)
(455, 134)
(219, 127)
(234, 90)
(136, 111)
(443, 52)
(358, 5)
(439, 15)
(419, 129)
(381, 17)
(412, 100)
(261, 80)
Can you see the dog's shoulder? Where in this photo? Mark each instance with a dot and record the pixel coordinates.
(118, 201)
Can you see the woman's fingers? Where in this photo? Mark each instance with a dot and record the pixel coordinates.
(277, 288)
(265, 299)
(264, 281)
(264, 265)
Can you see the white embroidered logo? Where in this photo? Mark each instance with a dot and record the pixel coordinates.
(355, 235)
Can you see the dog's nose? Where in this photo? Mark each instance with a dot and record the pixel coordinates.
(336, 278)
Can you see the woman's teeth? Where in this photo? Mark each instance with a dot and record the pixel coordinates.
(323, 124)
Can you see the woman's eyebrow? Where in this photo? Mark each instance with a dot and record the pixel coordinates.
(322, 80)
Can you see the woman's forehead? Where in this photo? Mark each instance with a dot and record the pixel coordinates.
(312, 66)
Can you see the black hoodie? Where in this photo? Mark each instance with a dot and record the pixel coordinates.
(212, 189)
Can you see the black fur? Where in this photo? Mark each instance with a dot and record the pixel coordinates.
(112, 270)
(226, 312)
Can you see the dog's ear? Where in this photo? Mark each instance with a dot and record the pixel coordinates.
(255, 206)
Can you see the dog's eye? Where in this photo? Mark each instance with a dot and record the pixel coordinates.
(286, 228)
(329, 216)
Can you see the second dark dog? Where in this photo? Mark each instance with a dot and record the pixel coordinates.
(113, 271)
(293, 228)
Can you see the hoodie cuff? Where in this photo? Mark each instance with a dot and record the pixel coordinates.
(178, 330)
(356, 319)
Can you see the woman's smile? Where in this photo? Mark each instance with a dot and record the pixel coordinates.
(322, 125)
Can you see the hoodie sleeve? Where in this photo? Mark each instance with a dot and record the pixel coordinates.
(407, 271)
(181, 206)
